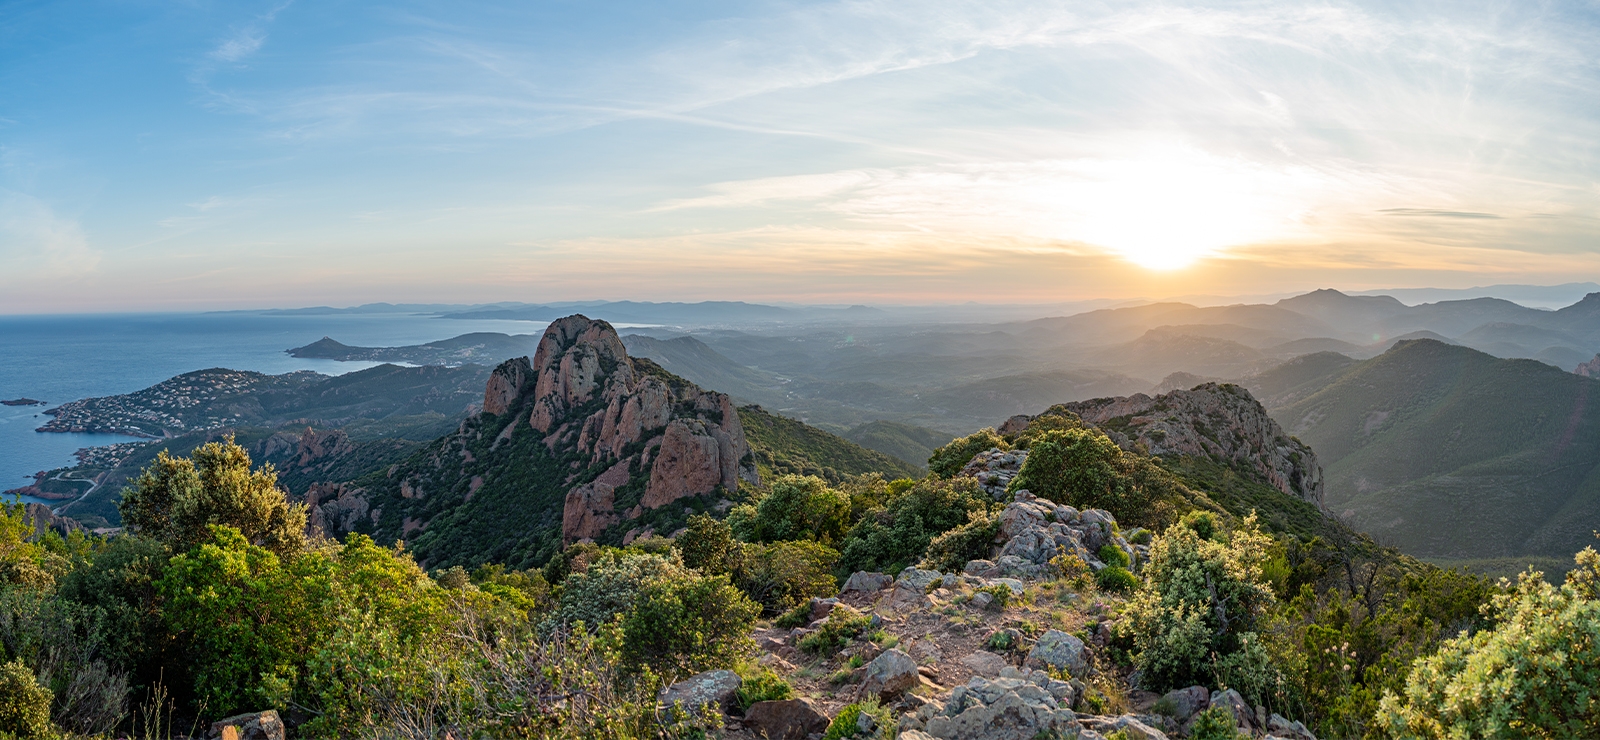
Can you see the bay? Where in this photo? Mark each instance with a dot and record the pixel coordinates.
(62, 358)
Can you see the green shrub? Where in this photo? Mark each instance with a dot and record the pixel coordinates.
(607, 587)
(685, 623)
(898, 534)
(1001, 641)
(62, 641)
(1216, 723)
(1001, 594)
(783, 574)
(842, 626)
(847, 723)
(1199, 599)
(1116, 579)
(799, 616)
(1532, 675)
(947, 461)
(950, 552)
(796, 508)
(707, 545)
(761, 683)
(24, 703)
(1084, 468)
(1113, 556)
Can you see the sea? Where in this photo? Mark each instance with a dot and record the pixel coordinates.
(63, 358)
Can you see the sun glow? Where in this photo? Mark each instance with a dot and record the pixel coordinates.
(1167, 210)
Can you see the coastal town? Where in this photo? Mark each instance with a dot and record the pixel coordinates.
(182, 404)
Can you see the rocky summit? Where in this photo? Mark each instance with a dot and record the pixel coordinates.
(582, 442)
(1218, 421)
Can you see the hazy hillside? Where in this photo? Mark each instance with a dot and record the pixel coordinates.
(1447, 452)
(912, 444)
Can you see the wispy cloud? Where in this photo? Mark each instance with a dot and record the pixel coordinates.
(36, 242)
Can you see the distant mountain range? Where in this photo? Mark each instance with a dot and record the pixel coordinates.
(483, 348)
(1447, 452)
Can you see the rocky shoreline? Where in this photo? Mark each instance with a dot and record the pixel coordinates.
(24, 401)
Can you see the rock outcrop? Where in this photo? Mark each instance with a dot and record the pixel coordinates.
(1223, 422)
(620, 437)
(1590, 369)
(1034, 531)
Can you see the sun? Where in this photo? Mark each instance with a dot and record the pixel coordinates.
(1167, 210)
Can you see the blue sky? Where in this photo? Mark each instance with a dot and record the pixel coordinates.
(195, 154)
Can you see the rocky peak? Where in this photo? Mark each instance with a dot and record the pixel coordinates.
(1221, 421)
(1590, 369)
(505, 384)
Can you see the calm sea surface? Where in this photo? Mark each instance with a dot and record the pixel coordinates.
(64, 358)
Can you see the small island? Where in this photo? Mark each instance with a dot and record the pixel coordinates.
(22, 402)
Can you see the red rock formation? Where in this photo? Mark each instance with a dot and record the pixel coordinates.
(505, 384)
(689, 464)
(1590, 369)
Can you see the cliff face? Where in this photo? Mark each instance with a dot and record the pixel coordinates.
(1222, 422)
(580, 442)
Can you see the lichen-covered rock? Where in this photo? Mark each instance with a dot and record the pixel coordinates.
(1001, 709)
(1061, 651)
(994, 469)
(917, 578)
(1186, 703)
(714, 688)
(890, 674)
(865, 582)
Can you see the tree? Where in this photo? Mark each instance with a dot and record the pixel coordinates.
(175, 500)
(707, 545)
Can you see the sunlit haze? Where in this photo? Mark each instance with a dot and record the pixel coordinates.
(159, 156)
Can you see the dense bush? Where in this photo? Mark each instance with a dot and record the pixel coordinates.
(950, 552)
(685, 623)
(1116, 579)
(707, 545)
(760, 683)
(1533, 675)
(947, 461)
(24, 563)
(1084, 468)
(177, 499)
(24, 703)
(782, 575)
(795, 508)
(1199, 604)
(897, 535)
(841, 627)
(62, 643)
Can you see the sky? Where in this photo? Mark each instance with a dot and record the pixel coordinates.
(194, 155)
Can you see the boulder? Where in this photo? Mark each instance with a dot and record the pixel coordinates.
(985, 663)
(866, 582)
(1188, 702)
(917, 578)
(1229, 699)
(890, 674)
(716, 688)
(1001, 709)
(791, 719)
(1061, 651)
(253, 726)
(1281, 727)
(1131, 727)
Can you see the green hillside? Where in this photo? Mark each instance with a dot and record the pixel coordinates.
(912, 444)
(1451, 454)
(783, 445)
